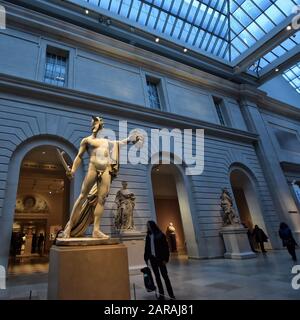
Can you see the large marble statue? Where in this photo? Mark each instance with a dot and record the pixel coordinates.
(229, 215)
(103, 167)
(125, 201)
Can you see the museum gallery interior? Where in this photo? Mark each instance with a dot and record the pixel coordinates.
(118, 112)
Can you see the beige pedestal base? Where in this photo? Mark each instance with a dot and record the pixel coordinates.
(135, 243)
(237, 243)
(88, 273)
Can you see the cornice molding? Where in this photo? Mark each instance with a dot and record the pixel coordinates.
(266, 103)
(69, 98)
(26, 19)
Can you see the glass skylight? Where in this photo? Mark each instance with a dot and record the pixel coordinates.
(292, 75)
(223, 28)
(287, 45)
(251, 20)
(199, 24)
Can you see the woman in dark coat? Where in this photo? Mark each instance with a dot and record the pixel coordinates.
(288, 240)
(157, 251)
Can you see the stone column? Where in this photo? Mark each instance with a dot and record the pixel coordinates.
(278, 186)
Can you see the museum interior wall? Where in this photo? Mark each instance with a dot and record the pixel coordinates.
(286, 94)
(116, 89)
(126, 82)
(71, 124)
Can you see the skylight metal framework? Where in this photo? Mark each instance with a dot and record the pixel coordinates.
(279, 51)
(292, 75)
(251, 20)
(198, 24)
(223, 28)
(230, 31)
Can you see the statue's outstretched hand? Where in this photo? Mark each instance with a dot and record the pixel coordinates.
(137, 138)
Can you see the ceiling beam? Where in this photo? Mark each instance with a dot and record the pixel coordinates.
(264, 45)
(283, 63)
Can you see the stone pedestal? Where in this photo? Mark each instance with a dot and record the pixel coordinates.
(237, 243)
(135, 243)
(96, 272)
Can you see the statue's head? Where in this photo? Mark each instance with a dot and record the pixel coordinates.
(97, 124)
(124, 184)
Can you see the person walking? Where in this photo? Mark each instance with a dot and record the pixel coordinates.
(260, 237)
(41, 240)
(250, 237)
(288, 240)
(157, 251)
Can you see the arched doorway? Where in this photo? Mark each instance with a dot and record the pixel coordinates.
(41, 209)
(246, 198)
(172, 205)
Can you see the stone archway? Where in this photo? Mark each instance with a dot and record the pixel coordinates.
(185, 206)
(246, 196)
(7, 217)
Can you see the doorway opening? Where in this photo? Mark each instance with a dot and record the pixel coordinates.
(247, 200)
(167, 208)
(41, 210)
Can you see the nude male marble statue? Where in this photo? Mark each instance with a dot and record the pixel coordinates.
(103, 167)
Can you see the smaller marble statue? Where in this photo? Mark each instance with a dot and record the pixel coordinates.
(171, 236)
(125, 201)
(229, 215)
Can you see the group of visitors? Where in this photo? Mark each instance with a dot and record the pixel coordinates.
(157, 251)
(18, 243)
(285, 234)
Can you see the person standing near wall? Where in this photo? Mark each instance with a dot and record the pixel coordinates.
(288, 240)
(157, 251)
(41, 240)
(260, 237)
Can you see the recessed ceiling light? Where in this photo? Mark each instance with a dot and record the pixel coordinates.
(157, 40)
(289, 28)
(276, 70)
(87, 11)
(185, 50)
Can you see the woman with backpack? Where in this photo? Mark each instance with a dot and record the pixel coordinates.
(288, 240)
(157, 251)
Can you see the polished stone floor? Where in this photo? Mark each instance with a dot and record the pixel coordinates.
(266, 277)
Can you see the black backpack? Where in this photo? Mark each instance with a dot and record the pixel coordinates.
(148, 279)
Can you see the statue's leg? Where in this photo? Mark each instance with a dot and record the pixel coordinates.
(103, 190)
(87, 184)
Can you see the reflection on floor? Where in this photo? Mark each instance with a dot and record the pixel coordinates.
(29, 266)
(267, 277)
